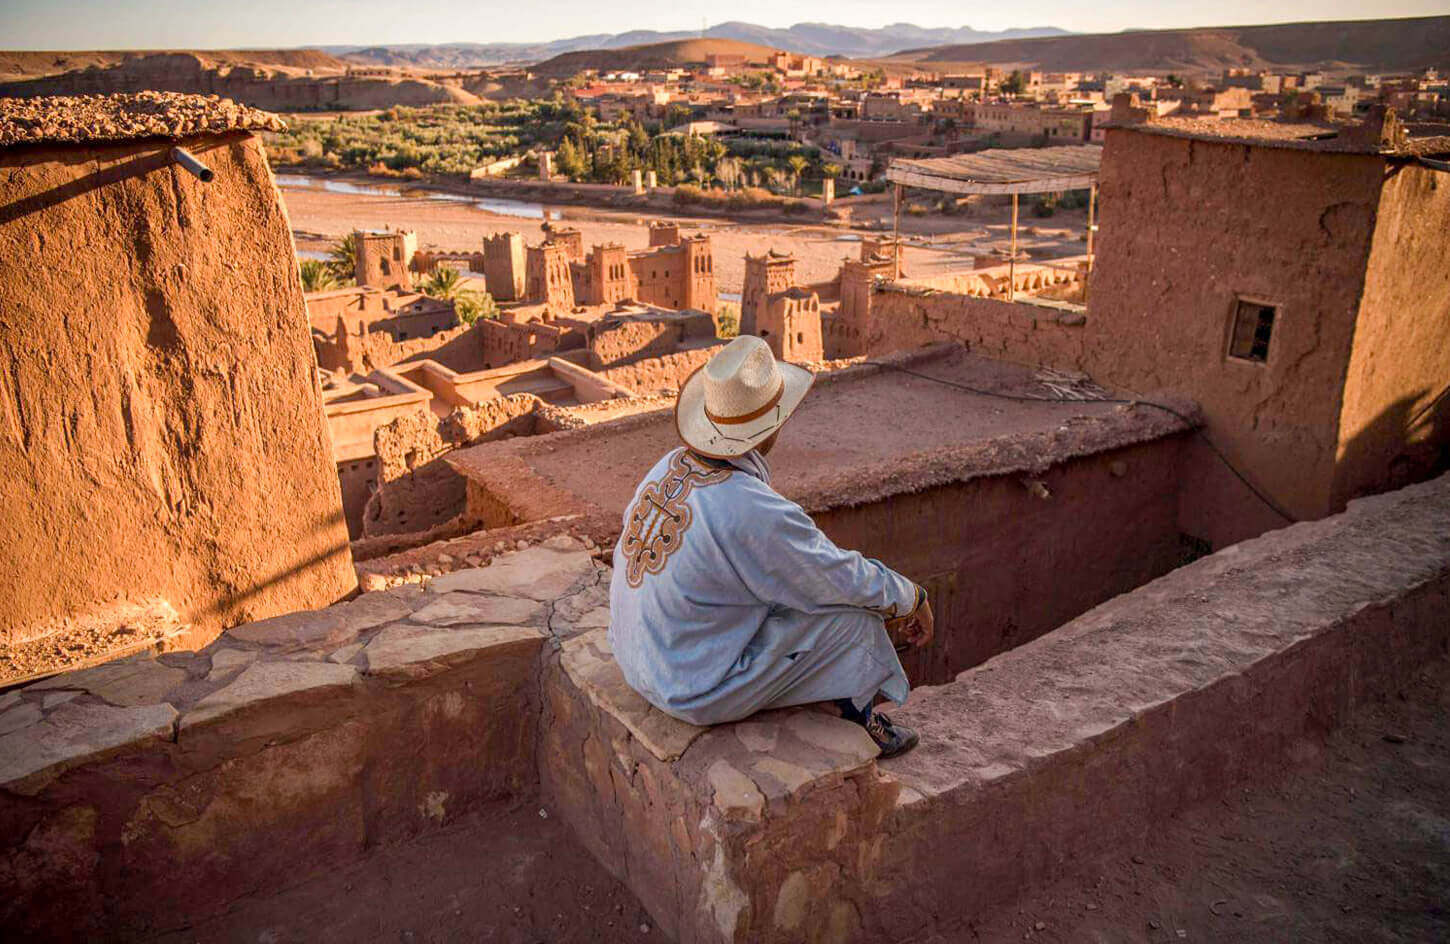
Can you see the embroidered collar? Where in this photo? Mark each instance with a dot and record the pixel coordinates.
(752, 463)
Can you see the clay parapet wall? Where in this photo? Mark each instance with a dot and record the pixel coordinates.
(1029, 332)
(616, 341)
(1033, 765)
(416, 490)
(147, 794)
(667, 372)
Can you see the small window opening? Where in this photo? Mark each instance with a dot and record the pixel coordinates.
(1253, 328)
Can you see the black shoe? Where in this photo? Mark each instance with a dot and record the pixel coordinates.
(893, 739)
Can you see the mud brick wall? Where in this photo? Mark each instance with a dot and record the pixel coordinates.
(1007, 558)
(1220, 673)
(161, 431)
(902, 319)
(416, 489)
(660, 373)
(1190, 225)
(1392, 430)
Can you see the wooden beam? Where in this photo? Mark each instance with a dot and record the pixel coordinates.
(954, 185)
(1012, 259)
(896, 232)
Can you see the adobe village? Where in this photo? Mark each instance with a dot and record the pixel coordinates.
(315, 492)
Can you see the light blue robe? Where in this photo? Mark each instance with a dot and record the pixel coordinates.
(727, 599)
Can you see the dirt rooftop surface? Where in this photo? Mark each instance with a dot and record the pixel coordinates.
(1336, 137)
(850, 438)
(86, 118)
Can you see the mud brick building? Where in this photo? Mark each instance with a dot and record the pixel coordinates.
(1263, 269)
(385, 260)
(1128, 638)
(503, 266)
(1273, 294)
(765, 275)
(674, 272)
(547, 280)
(160, 431)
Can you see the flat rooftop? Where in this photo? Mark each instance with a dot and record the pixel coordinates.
(863, 433)
(1328, 136)
(82, 119)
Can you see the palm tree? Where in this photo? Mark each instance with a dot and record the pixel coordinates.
(798, 165)
(317, 276)
(344, 257)
(470, 305)
(442, 282)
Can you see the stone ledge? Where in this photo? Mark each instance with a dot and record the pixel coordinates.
(695, 819)
(315, 658)
(1167, 696)
(286, 747)
(588, 661)
(75, 734)
(1199, 626)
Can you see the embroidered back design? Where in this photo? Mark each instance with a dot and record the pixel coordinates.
(659, 519)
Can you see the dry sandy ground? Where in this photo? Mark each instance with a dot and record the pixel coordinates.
(938, 244)
(1354, 846)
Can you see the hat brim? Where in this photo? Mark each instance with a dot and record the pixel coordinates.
(722, 441)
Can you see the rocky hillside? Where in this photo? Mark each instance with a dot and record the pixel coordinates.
(1387, 45)
(653, 56)
(303, 80)
(19, 65)
(817, 39)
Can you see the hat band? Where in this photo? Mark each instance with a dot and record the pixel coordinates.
(753, 414)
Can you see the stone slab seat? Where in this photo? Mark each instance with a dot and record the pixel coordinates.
(674, 808)
(1032, 766)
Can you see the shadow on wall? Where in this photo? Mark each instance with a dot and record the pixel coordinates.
(237, 597)
(1407, 442)
(463, 353)
(135, 167)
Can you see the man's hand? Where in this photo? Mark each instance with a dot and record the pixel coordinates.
(922, 626)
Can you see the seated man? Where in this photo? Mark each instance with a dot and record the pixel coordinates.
(726, 598)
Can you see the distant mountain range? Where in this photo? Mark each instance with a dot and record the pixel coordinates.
(817, 39)
(1346, 45)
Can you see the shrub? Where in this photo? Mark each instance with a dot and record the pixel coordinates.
(727, 320)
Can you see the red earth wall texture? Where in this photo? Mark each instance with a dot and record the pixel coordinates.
(161, 428)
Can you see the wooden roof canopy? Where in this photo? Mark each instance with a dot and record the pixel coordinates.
(1003, 170)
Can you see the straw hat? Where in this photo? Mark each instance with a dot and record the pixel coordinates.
(741, 396)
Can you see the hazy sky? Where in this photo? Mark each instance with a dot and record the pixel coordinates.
(132, 24)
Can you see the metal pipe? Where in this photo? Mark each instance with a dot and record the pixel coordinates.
(193, 166)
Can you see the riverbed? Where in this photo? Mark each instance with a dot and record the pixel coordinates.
(323, 209)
